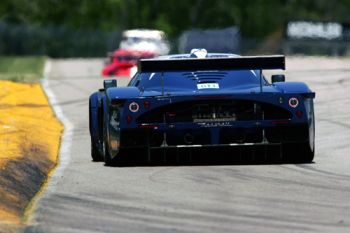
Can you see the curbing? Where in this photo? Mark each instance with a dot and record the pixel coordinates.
(23, 180)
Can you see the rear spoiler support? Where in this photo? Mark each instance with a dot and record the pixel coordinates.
(261, 82)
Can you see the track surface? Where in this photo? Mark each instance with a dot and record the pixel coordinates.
(89, 197)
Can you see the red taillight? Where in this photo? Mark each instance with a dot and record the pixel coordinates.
(299, 114)
(147, 104)
(128, 119)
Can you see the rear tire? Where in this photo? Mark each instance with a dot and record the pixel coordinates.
(306, 154)
(298, 153)
(107, 156)
(119, 160)
(95, 154)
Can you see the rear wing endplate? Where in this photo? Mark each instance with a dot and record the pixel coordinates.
(273, 62)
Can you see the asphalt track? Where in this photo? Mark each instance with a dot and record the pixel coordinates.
(85, 196)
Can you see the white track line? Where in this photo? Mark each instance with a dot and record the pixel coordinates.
(66, 139)
(64, 153)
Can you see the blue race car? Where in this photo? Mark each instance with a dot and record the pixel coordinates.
(202, 101)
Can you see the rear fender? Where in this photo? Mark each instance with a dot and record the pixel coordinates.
(295, 87)
(305, 93)
(96, 117)
(122, 92)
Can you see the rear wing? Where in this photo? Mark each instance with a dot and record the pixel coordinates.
(273, 62)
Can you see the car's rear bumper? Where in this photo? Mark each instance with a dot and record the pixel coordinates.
(213, 136)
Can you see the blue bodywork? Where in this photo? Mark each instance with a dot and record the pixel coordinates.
(217, 105)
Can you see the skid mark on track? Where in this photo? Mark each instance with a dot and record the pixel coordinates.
(334, 122)
(183, 218)
(292, 182)
(154, 177)
(323, 172)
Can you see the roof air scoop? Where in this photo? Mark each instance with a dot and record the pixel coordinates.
(199, 53)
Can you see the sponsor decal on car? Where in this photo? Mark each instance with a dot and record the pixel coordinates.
(215, 124)
(208, 86)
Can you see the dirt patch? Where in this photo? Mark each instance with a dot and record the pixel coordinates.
(21, 179)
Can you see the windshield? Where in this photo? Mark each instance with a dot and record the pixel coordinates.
(177, 81)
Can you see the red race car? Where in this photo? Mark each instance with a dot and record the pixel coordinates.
(123, 62)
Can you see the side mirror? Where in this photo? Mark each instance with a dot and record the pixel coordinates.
(278, 78)
(109, 83)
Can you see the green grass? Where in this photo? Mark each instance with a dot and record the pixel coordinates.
(22, 69)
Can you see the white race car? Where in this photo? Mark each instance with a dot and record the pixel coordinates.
(145, 40)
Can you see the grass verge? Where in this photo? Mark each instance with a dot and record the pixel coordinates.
(22, 69)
